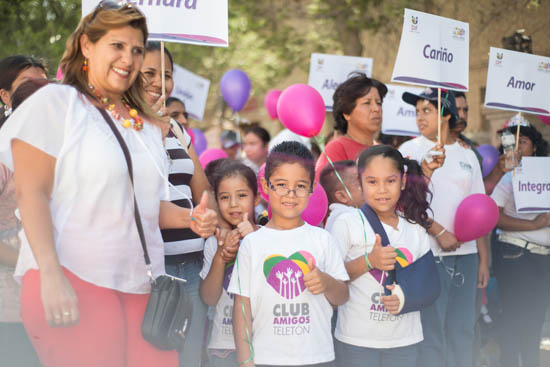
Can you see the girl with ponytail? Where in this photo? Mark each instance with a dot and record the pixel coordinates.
(370, 325)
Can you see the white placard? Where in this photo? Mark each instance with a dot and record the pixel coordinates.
(433, 52)
(192, 90)
(327, 72)
(197, 22)
(518, 81)
(399, 117)
(532, 185)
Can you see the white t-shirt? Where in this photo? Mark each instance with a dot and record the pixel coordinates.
(91, 204)
(459, 177)
(335, 210)
(290, 325)
(503, 195)
(363, 320)
(222, 328)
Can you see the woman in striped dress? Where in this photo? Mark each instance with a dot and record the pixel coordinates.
(183, 248)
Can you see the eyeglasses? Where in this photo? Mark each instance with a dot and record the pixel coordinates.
(282, 190)
(111, 5)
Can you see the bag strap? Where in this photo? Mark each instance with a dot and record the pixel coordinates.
(137, 217)
(375, 224)
(378, 228)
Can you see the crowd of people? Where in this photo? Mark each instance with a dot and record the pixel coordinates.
(266, 290)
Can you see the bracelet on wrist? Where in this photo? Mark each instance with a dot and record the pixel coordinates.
(440, 233)
(369, 266)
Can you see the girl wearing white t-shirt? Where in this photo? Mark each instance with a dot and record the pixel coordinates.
(288, 275)
(368, 329)
(236, 192)
(449, 324)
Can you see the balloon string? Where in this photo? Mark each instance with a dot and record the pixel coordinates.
(248, 341)
(321, 142)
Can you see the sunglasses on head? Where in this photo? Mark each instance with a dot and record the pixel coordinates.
(111, 5)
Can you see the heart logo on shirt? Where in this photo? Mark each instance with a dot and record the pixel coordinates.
(286, 275)
(227, 277)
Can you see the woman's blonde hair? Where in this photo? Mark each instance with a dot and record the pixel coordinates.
(95, 25)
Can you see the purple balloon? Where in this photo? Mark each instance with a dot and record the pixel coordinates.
(200, 142)
(235, 88)
(490, 158)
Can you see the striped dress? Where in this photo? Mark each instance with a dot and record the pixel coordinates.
(180, 241)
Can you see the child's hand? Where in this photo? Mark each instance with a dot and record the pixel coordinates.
(315, 281)
(382, 257)
(230, 246)
(448, 242)
(245, 227)
(483, 275)
(391, 302)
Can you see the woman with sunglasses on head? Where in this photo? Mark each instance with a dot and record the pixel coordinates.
(183, 247)
(522, 262)
(85, 285)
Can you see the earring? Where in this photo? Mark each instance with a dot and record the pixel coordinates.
(85, 65)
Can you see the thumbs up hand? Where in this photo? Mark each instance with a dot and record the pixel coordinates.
(203, 220)
(382, 257)
(315, 281)
(245, 227)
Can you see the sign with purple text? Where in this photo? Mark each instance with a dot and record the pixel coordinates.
(433, 52)
(192, 90)
(518, 81)
(532, 185)
(399, 118)
(327, 72)
(197, 22)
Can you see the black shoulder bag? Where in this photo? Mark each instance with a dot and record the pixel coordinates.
(419, 280)
(169, 308)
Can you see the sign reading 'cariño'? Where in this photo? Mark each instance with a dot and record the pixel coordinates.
(197, 22)
(433, 52)
(518, 81)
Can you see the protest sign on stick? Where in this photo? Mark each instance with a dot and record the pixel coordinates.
(327, 72)
(197, 22)
(433, 52)
(192, 90)
(399, 117)
(518, 81)
(531, 184)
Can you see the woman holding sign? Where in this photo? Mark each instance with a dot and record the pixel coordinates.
(522, 263)
(357, 112)
(85, 285)
(448, 324)
(183, 247)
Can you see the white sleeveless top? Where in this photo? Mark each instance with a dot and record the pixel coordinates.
(91, 204)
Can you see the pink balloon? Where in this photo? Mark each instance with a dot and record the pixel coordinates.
(302, 110)
(210, 155)
(545, 119)
(476, 216)
(317, 207)
(59, 75)
(261, 174)
(270, 102)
